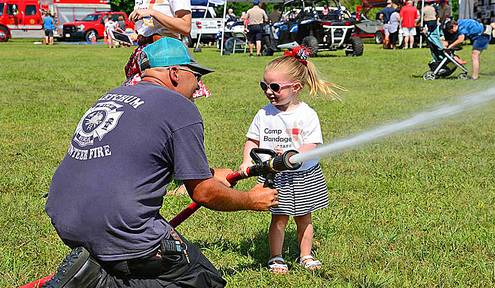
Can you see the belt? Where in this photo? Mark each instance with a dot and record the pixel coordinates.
(148, 266)
(151, 265)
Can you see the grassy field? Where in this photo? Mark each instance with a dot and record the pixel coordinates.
(413, 210)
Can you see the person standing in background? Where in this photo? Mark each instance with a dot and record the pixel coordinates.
(256, 17)
(49, 27)
(394, 27)
(110, 26)
(444, 11)
(429, 16)
(154, 20)
(409, 15)
(385, 17)
(230, 15)
(121, 22)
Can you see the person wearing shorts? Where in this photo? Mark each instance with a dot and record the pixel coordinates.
(385, 17)
(479, 35)
(394, 24)
(409, 15)
(48, 26)
(256, 17)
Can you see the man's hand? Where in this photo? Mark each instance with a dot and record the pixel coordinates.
(140, 14)
(221, 175)
(262, 198)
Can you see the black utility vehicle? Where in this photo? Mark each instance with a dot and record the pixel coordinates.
(313, 25)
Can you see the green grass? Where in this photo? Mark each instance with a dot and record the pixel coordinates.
(412, 210)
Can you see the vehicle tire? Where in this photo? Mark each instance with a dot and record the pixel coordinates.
(267, 51)
(312, 43)
(90, 34)
(378, 37)
(429, 75)
(228, 47)
(4, 34)
(357, 46)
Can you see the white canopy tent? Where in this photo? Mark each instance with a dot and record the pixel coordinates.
(466, 9)
(224, 3)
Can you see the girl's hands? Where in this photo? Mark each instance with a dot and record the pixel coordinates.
(244, 166)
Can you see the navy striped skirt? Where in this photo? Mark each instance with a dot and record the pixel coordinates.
(300, 192)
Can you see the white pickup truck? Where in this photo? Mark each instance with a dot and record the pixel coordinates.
(208, 26)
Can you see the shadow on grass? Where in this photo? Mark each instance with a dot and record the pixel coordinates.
(440, 78)
(326, 55)
(487, 73)
(256, 248)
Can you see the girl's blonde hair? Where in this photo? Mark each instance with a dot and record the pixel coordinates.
(306, 73)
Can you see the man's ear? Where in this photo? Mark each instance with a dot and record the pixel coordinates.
(173, 73)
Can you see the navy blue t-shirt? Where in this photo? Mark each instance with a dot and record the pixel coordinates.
(387, 11)
(107, 192)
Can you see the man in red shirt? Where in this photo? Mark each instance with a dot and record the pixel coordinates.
(408, 16)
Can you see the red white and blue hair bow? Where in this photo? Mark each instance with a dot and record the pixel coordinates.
(301, 53)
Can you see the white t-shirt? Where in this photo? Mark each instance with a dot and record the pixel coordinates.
(110, 25)
(286, 129)
(150, 26)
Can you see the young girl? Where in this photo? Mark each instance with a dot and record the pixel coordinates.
(288, 123)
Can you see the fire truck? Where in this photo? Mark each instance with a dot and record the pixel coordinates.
(22, 18)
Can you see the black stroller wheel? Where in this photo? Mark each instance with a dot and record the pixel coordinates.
(463, 76)
(429, 75)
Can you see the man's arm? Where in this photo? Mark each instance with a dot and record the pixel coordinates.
(213, 194)
(458, 41)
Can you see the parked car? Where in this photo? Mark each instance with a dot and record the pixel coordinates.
(92, 25)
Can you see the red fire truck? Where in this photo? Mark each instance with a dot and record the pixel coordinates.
(18, 17)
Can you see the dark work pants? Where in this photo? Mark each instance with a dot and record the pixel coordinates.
(175, 271)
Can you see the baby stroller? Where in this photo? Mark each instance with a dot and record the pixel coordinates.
(443, 61)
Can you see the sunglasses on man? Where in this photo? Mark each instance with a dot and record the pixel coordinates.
(196, 74)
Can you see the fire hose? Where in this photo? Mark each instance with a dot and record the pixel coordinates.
(267, 169)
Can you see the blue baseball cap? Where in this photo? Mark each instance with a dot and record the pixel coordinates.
(256, 2)
(168, 52)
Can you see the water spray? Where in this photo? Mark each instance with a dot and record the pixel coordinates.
(467, 103)
(291, 160)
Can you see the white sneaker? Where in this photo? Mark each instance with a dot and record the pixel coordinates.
(489, 30)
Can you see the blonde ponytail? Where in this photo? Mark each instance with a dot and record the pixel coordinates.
(306, 73)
